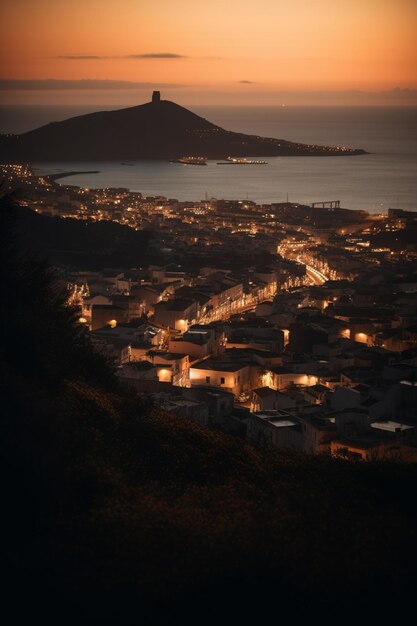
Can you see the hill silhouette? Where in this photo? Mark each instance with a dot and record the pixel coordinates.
(117, 512)
(80, 244)
(155, 130)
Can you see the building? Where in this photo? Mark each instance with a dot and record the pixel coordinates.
(224, 373)
(274, 429)
(176, 314)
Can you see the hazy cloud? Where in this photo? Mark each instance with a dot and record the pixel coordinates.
(155, 55)
(246, 82)
(51, 83)
(148, 55)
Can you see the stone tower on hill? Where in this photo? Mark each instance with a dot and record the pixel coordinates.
(156, 97)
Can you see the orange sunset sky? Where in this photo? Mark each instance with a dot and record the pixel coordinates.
(208, 52)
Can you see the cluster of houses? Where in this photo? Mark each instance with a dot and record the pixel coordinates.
(322, 369)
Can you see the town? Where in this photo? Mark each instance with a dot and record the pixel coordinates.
(287, 325)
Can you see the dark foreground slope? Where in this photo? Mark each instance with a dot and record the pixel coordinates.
(81, 244)
(161, 130)
(119, 513)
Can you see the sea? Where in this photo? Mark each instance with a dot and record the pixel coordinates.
(385, 178)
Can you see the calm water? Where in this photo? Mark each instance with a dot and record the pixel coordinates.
(387, 177)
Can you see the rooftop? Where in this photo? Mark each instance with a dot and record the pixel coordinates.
(219, 365)
(391, 426)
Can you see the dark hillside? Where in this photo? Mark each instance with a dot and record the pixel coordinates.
(161, 130)
(81, 244)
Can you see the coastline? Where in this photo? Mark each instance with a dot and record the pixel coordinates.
(66, 174)
(374, 183)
